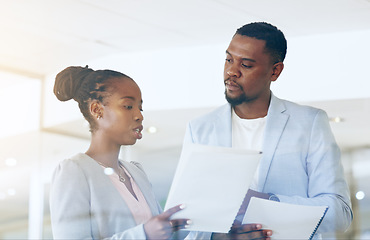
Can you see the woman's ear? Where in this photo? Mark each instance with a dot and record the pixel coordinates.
(276, 70)
(96, 109)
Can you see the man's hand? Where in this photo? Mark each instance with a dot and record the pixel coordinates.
(245, 231)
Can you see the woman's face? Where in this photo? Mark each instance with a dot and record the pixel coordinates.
(121, 117)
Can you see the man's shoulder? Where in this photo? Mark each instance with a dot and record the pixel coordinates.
(221, 111)
(299, 108)
(207, 128)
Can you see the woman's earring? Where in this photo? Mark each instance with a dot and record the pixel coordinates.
(98, 117)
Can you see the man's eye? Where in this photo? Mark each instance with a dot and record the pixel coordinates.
(246, 66)
(228, 60)
(128, 107)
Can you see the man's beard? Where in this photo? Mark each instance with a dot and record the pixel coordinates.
(236, 101)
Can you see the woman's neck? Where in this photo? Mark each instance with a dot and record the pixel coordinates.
(104, 153)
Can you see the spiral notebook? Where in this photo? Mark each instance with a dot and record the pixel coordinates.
(287, 221)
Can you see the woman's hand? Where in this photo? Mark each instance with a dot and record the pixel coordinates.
(161, 227)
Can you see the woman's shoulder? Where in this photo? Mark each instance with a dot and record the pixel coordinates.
(137, 164)
(77, 159)
(134, 168)
(75, 164)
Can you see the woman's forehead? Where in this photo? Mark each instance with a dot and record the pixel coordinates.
(125, 87)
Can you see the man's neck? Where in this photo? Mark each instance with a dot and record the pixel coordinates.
(253, 110)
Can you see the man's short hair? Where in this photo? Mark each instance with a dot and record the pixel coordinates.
(276, 44)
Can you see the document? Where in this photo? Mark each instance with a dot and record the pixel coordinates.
(287, 221)
(212, 182)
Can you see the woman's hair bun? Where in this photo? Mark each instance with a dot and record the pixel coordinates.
(68, 82)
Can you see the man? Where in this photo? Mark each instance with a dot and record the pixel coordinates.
(301, 160)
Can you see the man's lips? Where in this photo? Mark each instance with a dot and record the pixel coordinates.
(231, 85)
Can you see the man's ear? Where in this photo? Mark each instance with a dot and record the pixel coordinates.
(96, 109)
(276, 70)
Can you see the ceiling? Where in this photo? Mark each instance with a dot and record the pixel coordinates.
(40, 37)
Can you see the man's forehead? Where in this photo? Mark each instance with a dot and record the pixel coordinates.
(245, 47)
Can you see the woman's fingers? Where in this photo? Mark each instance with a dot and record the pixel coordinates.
(161, 227)
(175, 224)
(169, 212)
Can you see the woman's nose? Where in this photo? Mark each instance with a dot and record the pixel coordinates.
(139, 116)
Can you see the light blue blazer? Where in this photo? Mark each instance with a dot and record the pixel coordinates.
(84, 204)
(300, 163)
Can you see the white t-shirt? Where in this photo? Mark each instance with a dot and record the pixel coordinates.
(248, 134)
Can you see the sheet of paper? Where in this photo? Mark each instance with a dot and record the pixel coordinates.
(212, 182)
(287, 221)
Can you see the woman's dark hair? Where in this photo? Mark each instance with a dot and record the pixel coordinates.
(84, 84)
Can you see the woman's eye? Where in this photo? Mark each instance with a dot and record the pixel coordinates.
(128, 107)
(246, 66)
(228, 60)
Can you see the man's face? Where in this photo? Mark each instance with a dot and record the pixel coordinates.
(248, 70)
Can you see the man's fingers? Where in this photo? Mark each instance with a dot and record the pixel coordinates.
(250, 231)
(178, 224)
(167, 214)
(247, 228)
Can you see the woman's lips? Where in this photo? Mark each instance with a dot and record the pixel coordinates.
(138, 133)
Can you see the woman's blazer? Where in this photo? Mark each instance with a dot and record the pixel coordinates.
(84, 203)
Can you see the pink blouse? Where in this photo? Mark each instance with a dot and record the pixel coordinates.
(138, 207)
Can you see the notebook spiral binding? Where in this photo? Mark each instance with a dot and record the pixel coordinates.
(318, 224)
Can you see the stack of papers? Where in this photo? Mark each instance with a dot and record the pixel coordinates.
(212, 183)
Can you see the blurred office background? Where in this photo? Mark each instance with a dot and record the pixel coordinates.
(175, 51)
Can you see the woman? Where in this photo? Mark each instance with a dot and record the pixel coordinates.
(94, 195)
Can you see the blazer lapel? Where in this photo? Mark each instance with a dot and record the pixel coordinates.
(275, 125)
(105, 187)
(144, 186)
(222, 127)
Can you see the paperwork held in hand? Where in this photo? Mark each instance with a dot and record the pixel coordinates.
(287, 221)
(212, 182)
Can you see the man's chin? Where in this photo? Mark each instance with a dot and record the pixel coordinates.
(234, 101)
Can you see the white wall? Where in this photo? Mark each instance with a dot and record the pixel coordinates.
(326, 67)
(322, 67)
(20, 104)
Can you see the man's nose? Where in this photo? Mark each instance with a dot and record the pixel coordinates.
(233, 71)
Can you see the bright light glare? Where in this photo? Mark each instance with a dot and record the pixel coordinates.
(152, 129)
(360, 195)
(11, 192)
(11, 162)
(19, 92)
(336, 119)
(108, 171)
